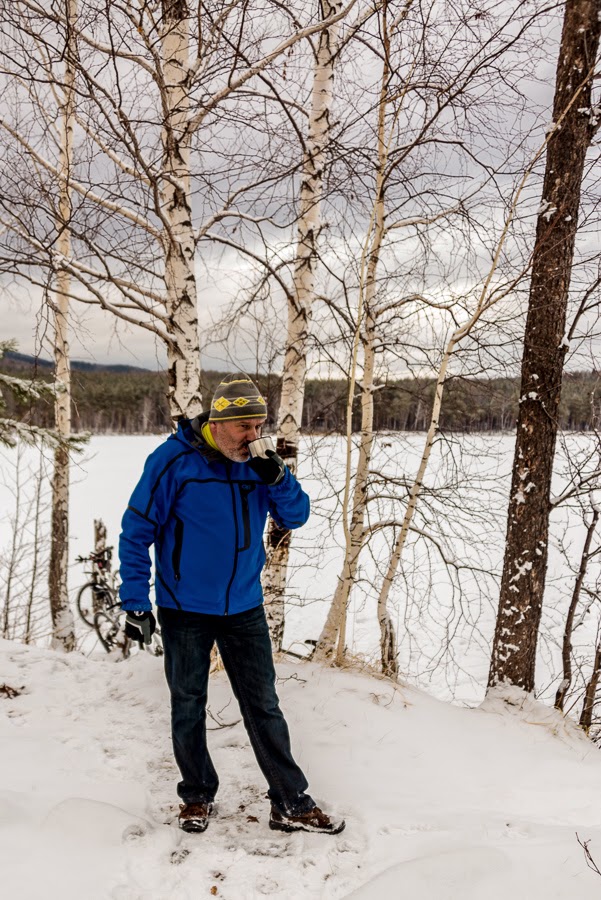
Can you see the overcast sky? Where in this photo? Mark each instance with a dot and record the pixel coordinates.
(97, 336)
(101, 338)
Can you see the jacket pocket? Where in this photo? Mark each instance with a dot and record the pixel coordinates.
(246, 488)
(176, 556)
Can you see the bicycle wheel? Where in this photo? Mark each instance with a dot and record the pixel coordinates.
(109, 632)
(91, 599)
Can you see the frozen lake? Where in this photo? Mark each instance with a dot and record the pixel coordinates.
(445, 595)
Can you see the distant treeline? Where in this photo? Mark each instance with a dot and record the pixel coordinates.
(125, 401)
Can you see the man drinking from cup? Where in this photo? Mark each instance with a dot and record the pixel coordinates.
(203, 501)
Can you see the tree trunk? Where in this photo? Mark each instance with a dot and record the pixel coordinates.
(63, 625)
(300, 303)
(183, 354)
(14, 552)
(354, 532)
(566, 653)
(36, 551)
(524, 568)
(586, 716)
(333, 634)
(335, 626)
(387, 642)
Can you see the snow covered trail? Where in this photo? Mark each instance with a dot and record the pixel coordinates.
(442, 803)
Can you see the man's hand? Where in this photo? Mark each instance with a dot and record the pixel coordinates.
(270, 470)
(140, 626)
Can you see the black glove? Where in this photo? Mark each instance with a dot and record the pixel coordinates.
(140, 625)
(270, 470)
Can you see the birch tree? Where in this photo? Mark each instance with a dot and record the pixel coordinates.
(335, 626)
(386, 227)
(24, 565)
(153, 176)
(575, 121)
(63, 622)
(300, 300)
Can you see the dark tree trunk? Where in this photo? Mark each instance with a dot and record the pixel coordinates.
(586, 716)
(525, 563)
(566, 652)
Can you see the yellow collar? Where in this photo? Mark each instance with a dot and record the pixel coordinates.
(208, 436)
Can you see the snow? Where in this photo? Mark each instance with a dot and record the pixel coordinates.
(546, 209)
(441, 802)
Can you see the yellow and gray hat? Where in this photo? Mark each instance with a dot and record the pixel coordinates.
(237, 397)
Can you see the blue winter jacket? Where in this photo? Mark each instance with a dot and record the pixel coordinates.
(205, 516)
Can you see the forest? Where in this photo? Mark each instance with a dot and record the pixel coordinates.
(129, 400)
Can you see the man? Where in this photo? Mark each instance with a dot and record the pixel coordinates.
(203, 502)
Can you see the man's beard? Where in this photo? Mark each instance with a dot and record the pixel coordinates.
(238, 454)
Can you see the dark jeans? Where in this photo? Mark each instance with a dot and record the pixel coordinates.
(245, 648)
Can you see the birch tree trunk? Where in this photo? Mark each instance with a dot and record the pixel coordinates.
(390, 663)
(300, 303)
(333, 635)
(63, 625)
(13, 554)
(354, 532)
(525, 563)
(183, 355)
(36, 553)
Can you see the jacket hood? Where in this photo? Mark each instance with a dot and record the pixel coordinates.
(189, 432)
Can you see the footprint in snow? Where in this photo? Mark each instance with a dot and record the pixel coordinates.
(266, 885)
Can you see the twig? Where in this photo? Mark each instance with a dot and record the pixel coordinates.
(587, 855)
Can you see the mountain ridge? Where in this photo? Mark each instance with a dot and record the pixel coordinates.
(25, 360)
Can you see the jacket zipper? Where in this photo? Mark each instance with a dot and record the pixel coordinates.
(176, 556)
(245, 490)
(233, 492)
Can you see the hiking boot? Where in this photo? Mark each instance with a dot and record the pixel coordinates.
(194, 817)
(314, 820)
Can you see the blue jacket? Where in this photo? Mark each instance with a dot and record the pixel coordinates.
(205, 516)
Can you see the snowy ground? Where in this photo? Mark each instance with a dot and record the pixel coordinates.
(442, 803)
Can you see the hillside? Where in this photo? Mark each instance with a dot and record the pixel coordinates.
(441, 803)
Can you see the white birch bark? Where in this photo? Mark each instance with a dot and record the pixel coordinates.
(63, 625)
(399, 543)
(300, 302)
(334, 630)
(183, 357)
(335, 626)
(37, 539)
(354, 532)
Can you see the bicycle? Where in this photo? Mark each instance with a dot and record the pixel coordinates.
(99, 607)
(97, 594)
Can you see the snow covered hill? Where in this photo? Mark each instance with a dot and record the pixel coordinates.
(442, 803)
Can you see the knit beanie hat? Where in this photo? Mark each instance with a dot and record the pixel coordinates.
(237, 397)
